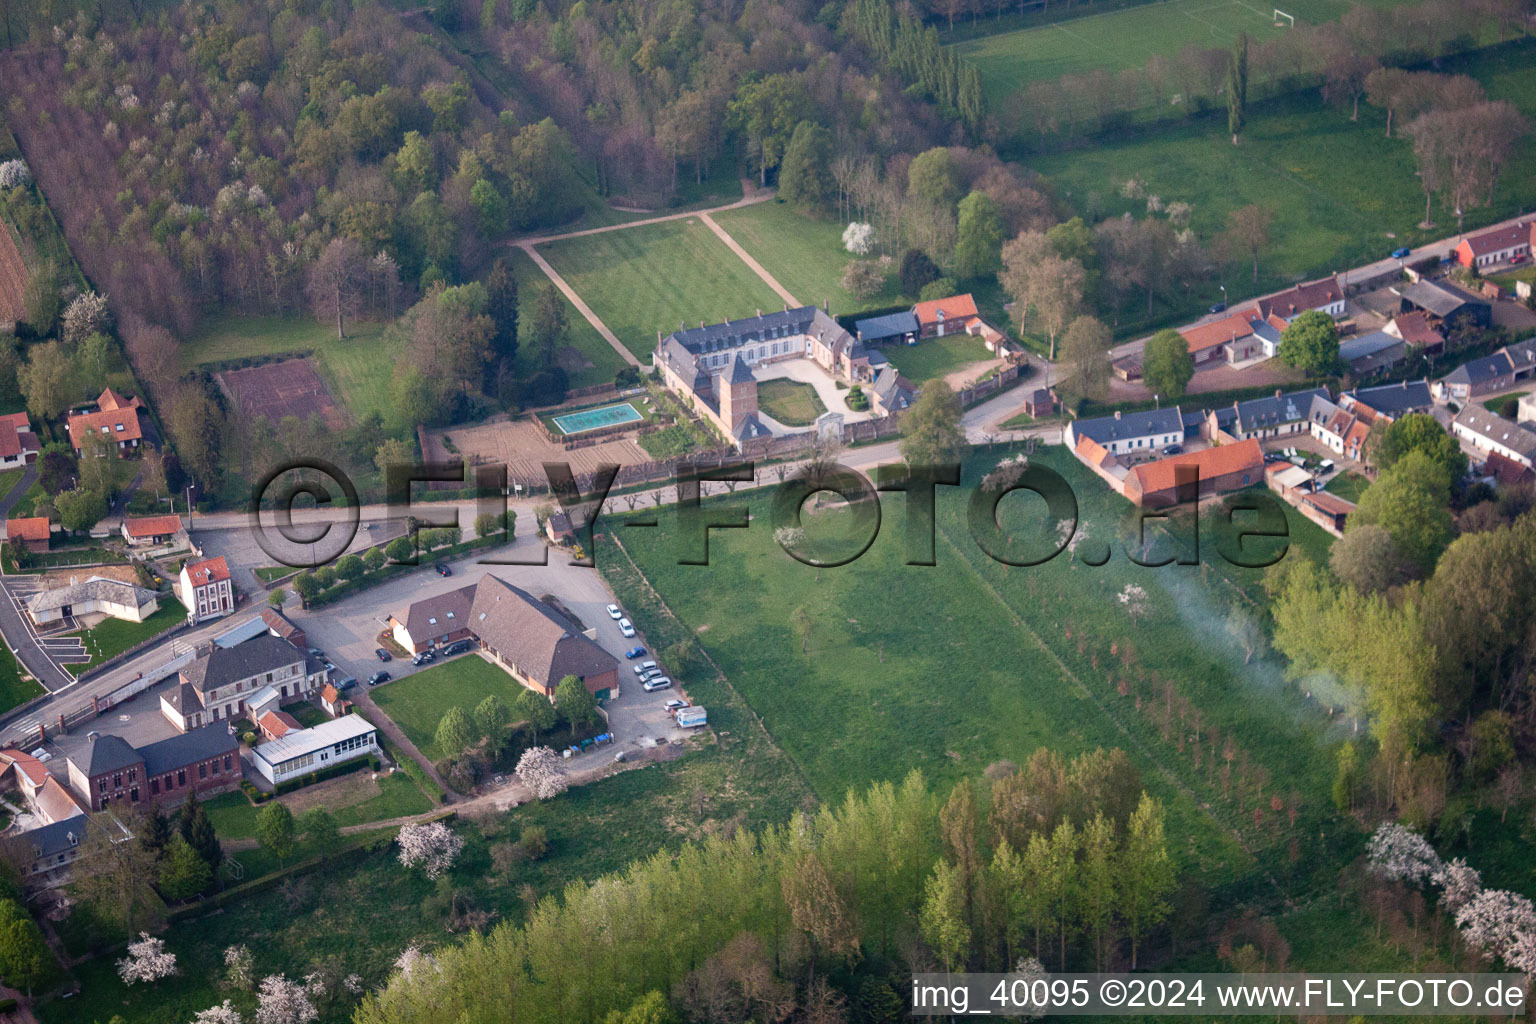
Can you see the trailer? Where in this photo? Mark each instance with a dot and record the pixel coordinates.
(691, 718)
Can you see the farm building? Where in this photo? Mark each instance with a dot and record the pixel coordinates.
(1190, 476)
(95, 595)
(1490, 432)
(1445, 305)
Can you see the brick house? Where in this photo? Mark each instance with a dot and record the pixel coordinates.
(151, 531)
(1496, 245)
(31, 534)
(1194, 475)
(956, 314)
(206, 589)
(115, 418)
(105, 769)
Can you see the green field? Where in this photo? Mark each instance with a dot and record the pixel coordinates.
(418, 702)
(653, 278)
(1002, 661)
(1348, 486)
(1114, 40)
(792, 403)
(936, 357)
(602, 362)
(234, 817)
(804, 255)
(1495, 404)
(114, 636)
(14, 689)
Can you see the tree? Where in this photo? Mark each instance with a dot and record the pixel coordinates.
(373, 559)
(146, 961)
(197, 830)
(1345, 74)
(400, 550)
(1310, 343)
(805, 176)
(863, 278)
(932, 177)
(454, 733)
(915, 271)
(79, 510)
(491, 717)
(540, 769)
(768, 110)
(334, 282)
(157, 832)
(818, 910)
(1237, 87)
(275, 831)
(432, 845)
(1411, 502)
(942, 916)
(1096, 881)
(320, 830)
(93, 356)
(1346, 778)
(979, 237)
(56, 469)
(1166, 364)
(24, 955)
(1085, 347)
(650, 1008)
(224, 1013)
(931, 432)
(349, 567)
(1367, 560)
(575, 703)
(280, 1001)
(1146, 874)
(1248, 231)
(40, 302)
(183, 874)
(1421, 432)
(1042, 282)
(86, 314)
(544, 324)
(197, 427)
(278, 598)
(501, 307)
(859, 238)
(537, 711)
(45, 378)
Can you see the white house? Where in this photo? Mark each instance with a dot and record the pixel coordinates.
(206, 589)
(302, 751)
(96, 595)
(221, 683)
(1489, 432)
(1132, 432)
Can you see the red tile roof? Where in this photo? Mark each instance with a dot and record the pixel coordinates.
(1219, 332)
(210, 570)
(1414, 328)
(17, 441)
(111, 400)
(1499, 239)
(329, 694)
(1212, 462)
(25, 763)
(1332, 504)
(1302, 297)
(120, 424)
(277, 724)
(955, 307)
(33, 528)
(152, 526)
(1507, 470)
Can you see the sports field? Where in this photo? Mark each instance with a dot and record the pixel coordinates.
(1125, 38)
(653, 278)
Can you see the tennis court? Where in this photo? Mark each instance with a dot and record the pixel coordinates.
(590, 419)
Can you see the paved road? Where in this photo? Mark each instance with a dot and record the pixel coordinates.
(19, 635)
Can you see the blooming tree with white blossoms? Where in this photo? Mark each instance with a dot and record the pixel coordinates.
(14, 174)
(147, 960)
(1399, 854)
(284, 1002)
(221, 1014)
(431, 845)
(1498, 923)
(239, 964)
(1135, 600)
(1458, 883)
(413, 961)
(85, 316)
(859, 238)
(539, 769)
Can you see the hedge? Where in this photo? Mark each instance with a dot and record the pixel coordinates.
(385, 573)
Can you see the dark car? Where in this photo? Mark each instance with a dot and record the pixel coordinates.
(345, 684)
(458, 647)
(378, 677)
(1220, 307)
(1401, 254)
(1174, 449)
(383, 654)
(635, 652)
(423, 658)
(442, 569)
(315, 652)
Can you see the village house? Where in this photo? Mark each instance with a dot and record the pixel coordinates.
(1417, 333)
(206, 589)
(1190, 476)
(1325, 295)
(1240, 336)
(1496, 245)
(219, 683)
(333, 702)
(526, 638)
(32, 533)
(1278, 415)
(1446, 307)
(956, 314)
(107, 769)
(32, 783)
(1369, 353)
(298, 752)
(559, 530)
(152, 531)
(116, 418)
(1340, 430)
(282, 627)
(18, 444)
(95, 595)
(1139, 433)
(1489, 432)
(1390, 400)
(1500, 371)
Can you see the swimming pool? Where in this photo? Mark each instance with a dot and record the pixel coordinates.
(603, 416)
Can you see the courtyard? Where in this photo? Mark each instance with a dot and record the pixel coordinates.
(804, 371)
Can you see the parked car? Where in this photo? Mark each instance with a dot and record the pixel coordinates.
(347, 683)
(673, 706)
(1518, 257)
(442, 569)
(1220, 307)
(42, 755)
(626, 627)
(692, 718)
(1401, 254)
(644, 667)
(635, 652)
(659, 683)
(423, 658)
(1174, 449)
(378, 677)
(651, 673)
(1274, 457)
(1326, 466)
(383, 654)
(614, 613)
(458, 647)
(315, 652)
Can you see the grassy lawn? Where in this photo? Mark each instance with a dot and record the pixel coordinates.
(114, 636)
(791, 402)
(14, 689)
(804, 255)
(1125, 38)
(268, 573)
(418, 702)
(394, 796)
(9, 479)
(1006, 660)
(1348, 486)
(1495, 404)
(936, 357)
(654, 278)
(583, 337)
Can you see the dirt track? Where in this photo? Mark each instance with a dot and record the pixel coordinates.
(13, 277)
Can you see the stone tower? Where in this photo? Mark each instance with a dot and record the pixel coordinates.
(738, 394)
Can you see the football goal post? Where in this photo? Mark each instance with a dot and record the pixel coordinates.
(1283, 20)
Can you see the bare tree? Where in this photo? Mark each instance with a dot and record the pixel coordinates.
(1248, 232)
(335, 280)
